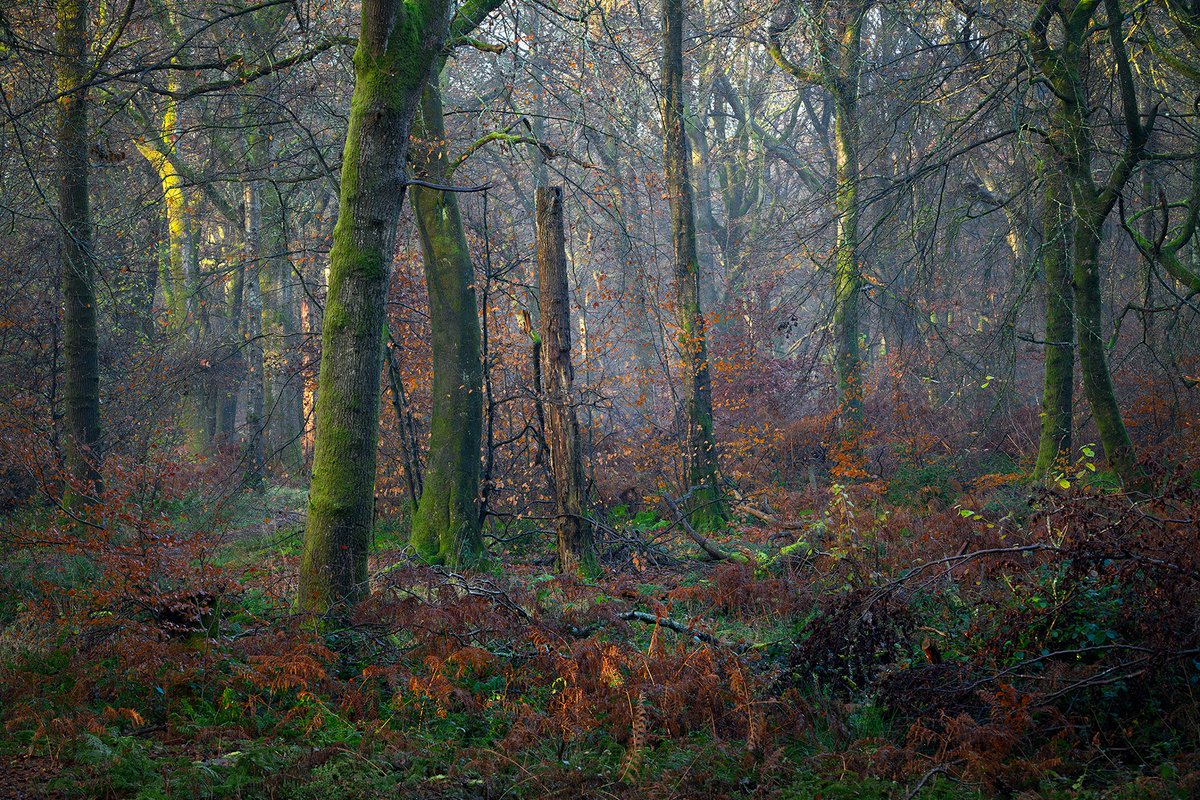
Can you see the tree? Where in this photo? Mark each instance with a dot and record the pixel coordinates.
(700, 443)
(446, 525)
(1064, 66)
(835, 27)
(1058, 392)
(81, 349)
(399, 44)
(576, 550)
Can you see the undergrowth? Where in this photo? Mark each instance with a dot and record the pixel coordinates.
(981, 648)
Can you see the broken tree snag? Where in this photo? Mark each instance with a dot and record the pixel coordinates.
(576, 551)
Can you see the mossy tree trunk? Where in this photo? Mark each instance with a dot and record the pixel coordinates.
(836, 33)
(446, 526)
(398, 46)
(847, 280)
(80, 340)
(576, 549)
(1064, 64)
(1093, 358)
(706, 509)
(1058, 387)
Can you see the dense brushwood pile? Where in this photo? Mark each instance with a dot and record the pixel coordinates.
(879, 640)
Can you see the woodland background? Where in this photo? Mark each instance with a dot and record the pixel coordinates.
(842, 444)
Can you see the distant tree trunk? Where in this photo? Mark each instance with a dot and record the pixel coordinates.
(701, 448)
(181, 291)
(81, 346)
(398, 44)
(836, 31)
(446, 528)
(404, 420)
(1058, 396)
(576, 550)
(287, 417)
(233, 359)
(253, 448)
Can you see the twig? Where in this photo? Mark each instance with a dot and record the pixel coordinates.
(916, 790)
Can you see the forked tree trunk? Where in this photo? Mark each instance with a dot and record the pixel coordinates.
(576, 550)
(701, 447)
(80, 341)
(1065, 66)
(398, 45)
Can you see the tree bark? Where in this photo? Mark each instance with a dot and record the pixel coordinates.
(701, 448)
(576, 549)
(81, 348)
(446, 527)
(398, 45)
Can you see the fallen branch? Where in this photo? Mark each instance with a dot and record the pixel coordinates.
(767, 519)
(678, 627)
(715, 551)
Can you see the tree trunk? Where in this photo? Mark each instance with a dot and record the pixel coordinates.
(446, 528)
(404, 421)
(81, 346)
(847, 281)
(398, 45)
(181, 292)
(288, 382)
(233, 360)
(1093, 360)
(1065, 68)
(576, 550)
(701, 449)
(253, 448)
(1059, 382)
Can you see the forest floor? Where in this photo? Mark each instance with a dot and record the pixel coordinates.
(917, 639)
